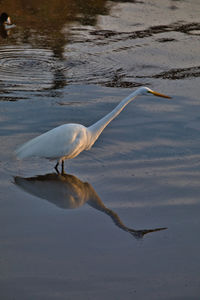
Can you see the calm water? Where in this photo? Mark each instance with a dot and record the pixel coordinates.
(100, 232)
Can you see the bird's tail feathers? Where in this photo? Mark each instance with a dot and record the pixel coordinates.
(25, 150)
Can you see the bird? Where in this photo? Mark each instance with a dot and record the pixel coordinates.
(5, 19)
(69, 140)
(5, 25)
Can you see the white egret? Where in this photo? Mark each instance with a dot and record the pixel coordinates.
(69, 140)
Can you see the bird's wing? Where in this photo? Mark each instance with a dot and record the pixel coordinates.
(65, 140)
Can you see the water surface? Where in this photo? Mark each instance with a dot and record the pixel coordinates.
(71, 61)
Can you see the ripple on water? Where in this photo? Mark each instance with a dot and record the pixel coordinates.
(28, 69)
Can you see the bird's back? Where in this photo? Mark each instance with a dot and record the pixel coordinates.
(63, 141)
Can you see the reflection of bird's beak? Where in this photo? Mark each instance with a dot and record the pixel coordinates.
(159, 95)
(8, 21)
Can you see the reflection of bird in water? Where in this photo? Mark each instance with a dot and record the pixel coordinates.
(5, 24)
(67, 192)
(68, 140)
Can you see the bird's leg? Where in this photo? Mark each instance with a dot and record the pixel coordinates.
(63, 168)
(56, 167)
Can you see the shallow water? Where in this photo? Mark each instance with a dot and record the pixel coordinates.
(80, 237)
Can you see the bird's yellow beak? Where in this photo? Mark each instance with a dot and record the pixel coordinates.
(159, 95)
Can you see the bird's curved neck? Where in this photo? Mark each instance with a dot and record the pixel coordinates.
(96, 129)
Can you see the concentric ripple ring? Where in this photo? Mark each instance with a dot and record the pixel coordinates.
(27, 69)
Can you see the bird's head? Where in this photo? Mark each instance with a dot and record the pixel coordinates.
(5, 19)
(147, 91)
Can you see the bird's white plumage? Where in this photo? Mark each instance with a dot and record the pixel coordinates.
(67, 141)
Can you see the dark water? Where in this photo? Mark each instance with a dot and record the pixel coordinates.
(95, 234)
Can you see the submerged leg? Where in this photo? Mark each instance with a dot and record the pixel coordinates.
(56, 167)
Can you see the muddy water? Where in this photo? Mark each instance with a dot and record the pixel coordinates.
(100, 233)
